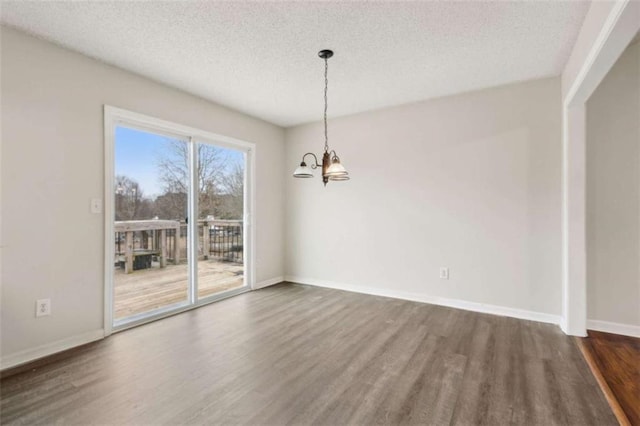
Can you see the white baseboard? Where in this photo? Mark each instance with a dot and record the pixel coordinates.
(267, 283)
(434, 300)
(28, 355)
(614, 327)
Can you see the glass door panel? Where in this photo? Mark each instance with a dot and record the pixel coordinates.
(151, 185)
(221, 188)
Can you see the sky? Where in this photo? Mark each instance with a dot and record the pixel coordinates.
(138, 153)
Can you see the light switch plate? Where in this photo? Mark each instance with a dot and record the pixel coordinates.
(96, 205)
(444, 273)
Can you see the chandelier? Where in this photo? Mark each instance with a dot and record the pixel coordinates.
(331, 167)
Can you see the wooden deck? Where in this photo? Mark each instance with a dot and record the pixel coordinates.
(148, 289)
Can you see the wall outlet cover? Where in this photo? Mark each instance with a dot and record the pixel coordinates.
(43, 307)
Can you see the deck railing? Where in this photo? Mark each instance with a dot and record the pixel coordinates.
(139, 242)
(226, 240)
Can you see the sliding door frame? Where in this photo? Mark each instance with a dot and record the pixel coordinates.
(114, 117)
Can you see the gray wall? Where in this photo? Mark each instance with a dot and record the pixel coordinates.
(613, 194)
(53, 164)
(471, 182)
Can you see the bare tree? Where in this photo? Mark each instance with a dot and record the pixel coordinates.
(174, 175)
(129, 198)
(233, 192)
(172, 206)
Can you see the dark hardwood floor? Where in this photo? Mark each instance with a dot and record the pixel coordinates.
(617, 359)
(294, 354)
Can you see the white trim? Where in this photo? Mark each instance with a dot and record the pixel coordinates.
(434, 300)
(594, 52)
(108, 203)
(249, 232)
(153, 124)
(574, 255)
(192, 227)
(563, 324)
(614, 327)
(28, 355)
(618, 29)
(267, 283)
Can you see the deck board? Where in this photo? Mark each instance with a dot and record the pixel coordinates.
(148, 289)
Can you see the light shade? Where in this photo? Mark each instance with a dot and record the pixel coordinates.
(336, 170)
(303, 171)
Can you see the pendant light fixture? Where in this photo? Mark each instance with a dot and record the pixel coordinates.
(332, 169)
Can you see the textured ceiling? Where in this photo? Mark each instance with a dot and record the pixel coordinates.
(261, 57)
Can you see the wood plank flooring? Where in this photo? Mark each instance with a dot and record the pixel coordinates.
(294, 354)
(617, 359)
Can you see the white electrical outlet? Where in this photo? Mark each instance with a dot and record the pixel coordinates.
(444, 273)
(43, 307)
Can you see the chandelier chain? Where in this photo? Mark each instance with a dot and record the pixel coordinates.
(326, 85)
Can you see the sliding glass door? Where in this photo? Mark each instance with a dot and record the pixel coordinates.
(151, 190)
(177, 221)
(221, 179)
